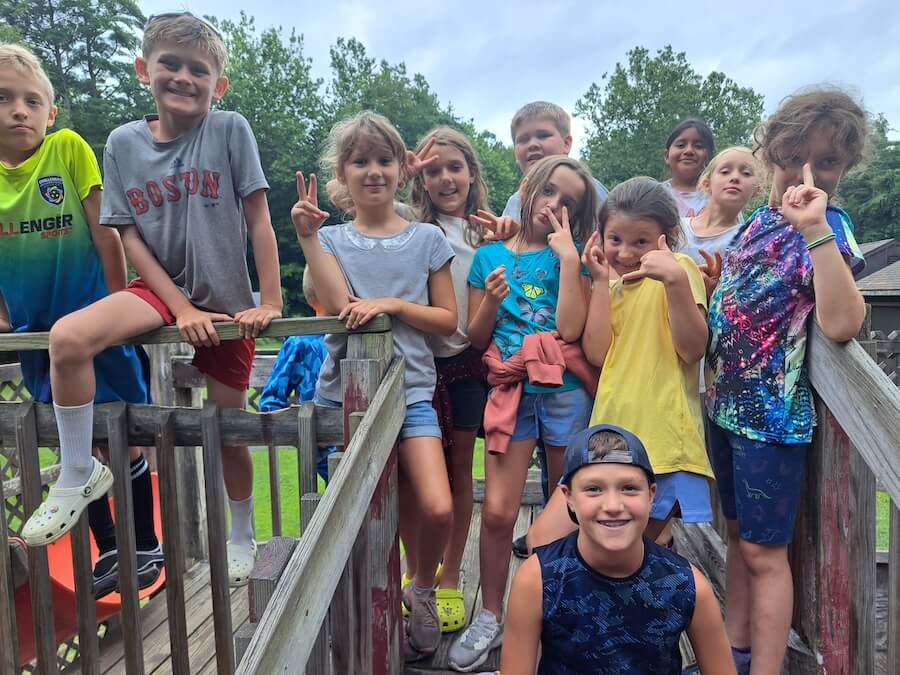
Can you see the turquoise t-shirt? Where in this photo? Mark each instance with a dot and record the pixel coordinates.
(530, 307)
(50, 266)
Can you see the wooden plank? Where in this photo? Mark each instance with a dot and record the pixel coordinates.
(38, 567)
(88, 645)
(343, 629)
(893, 594)
(384, 572)
(9, 650)
(13, 486)
(238, 427)
(191, 496)
(307, 452)
(273, 558)
(172, 544)
(319, 662)
(291, 622)
(227, 330)
(350, 610)
(242, 640)
(274, 490)
(532, 494)
(117, 425)
(218, 554)
(10, 372)
(871, 417)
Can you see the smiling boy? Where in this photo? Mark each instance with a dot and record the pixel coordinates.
(605, 599)
(184, 187)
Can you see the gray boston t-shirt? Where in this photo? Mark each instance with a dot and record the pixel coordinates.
(185, 197)
(387, 267)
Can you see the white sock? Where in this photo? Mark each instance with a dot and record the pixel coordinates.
(241, 521)
(76, 438)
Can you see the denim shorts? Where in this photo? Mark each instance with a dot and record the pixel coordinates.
(690, 491)
(553, 417)
(759, 484)
(421, 418)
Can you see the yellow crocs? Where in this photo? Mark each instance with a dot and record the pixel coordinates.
(451, 609)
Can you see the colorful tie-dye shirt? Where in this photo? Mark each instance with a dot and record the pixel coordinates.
(759, 386)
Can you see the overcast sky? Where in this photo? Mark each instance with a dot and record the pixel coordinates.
(488, 58)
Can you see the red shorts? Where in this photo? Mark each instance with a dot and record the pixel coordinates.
(230, 362)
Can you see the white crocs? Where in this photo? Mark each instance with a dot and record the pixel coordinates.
(241, 560)
(60, 511)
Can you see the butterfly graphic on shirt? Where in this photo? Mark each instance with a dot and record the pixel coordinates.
(540, 315)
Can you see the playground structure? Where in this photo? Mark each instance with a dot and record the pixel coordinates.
(304, 616)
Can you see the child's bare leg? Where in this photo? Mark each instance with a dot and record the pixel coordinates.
(409, 523)
(737, 590)
(772, 604)
(422, 460)
(74, 341)
(461, 471)
(553, 522)
(237, 467)
(504, 479)
(556, 458)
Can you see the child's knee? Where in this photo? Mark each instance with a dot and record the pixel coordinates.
(68, 343)
(763, 559)
(437, 513)
(498, 517)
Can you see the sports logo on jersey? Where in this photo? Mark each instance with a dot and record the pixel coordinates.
(52, 189)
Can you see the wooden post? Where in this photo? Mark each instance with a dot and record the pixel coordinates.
(38, 567)
(88, 645)
(319, 662)
(307, 451)
(343, 625)
(117, 424)
(172, 544)
(274, 491)
(218, 554)
(9, 650)
(273, 558)
(893, 639)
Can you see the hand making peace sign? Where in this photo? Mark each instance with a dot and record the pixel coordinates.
(560, 240)
(594, 260)
(306, 214)
(416, 162)
(495, 228)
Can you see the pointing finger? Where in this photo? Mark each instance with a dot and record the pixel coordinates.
(565, 218)
(301, 186)
(808, 176)
(554, 223)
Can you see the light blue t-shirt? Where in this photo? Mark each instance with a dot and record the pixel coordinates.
(514, 203)
(530, 307)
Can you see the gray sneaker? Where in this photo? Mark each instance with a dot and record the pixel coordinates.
(474, 644)
(424, 630)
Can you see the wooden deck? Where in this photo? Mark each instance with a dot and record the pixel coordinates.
(155, 628)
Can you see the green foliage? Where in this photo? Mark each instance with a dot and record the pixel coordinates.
(630, 116)
(872, 196)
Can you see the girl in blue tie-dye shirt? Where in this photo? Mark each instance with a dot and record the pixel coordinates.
(795, 256)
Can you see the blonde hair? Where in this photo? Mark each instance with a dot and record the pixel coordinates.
(421, 202)
(542, 110)
(185, 30)
(644, 197)
(349, 134)
(582, 222)
(759, 169)
(25, 62)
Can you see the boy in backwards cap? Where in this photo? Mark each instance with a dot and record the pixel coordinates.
(604, 599)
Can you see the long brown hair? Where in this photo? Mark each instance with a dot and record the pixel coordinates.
(583, 220)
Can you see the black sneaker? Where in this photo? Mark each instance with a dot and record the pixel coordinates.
(106, 570)
(520, 547)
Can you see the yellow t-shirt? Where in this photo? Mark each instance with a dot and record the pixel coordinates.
(645, 387)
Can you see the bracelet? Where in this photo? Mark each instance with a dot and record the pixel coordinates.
(821, 240)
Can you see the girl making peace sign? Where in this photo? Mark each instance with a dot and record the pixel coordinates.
(527, 305)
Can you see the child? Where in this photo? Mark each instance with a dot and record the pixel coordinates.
(57, 259)
(381, 263)
(604, 599)
(528, 303)
(795, 256)
(646, 327)
(730, 180)
(449, 192)
(688, 149)
(296, 370)
(184, 187)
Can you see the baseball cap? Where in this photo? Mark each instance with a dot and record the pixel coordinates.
(579, 452)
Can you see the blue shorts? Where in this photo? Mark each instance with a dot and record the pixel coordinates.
(689, 491)
(553, 417)
(759, 484)
(421, 418)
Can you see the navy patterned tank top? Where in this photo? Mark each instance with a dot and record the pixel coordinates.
(599, 624)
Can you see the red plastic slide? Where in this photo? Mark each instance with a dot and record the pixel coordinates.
(62, 585)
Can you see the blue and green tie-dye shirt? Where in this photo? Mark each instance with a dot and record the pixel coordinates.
(758, 315)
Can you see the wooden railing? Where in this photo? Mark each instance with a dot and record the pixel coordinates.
(174, 431)
(833, 556)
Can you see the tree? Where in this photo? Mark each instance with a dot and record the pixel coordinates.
(630, 116)
(872, 195)
(87, 47)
